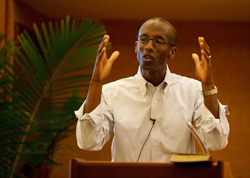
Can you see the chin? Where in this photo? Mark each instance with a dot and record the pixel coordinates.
(147, 67)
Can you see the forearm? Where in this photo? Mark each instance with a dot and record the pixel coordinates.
(94, 125)
(214, 132)
(93, 97)
(217, 138)
(102, 69)
(92, 135)
(211, 101)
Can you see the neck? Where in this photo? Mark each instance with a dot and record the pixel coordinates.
(155, 78)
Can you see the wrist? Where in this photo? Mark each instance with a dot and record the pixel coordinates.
(209, 92)
(207, 87)
(96, 82)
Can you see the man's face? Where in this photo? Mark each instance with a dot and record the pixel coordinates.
(152, 58)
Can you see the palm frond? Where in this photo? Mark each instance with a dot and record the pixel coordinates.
(40, 91)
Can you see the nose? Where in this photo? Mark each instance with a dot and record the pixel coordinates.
(150, 45)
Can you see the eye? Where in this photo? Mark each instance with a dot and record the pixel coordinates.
(159, 41)
(143, 39)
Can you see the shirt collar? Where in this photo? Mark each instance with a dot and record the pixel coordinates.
(141, 82)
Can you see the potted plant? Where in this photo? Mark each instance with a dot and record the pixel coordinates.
(39, 91)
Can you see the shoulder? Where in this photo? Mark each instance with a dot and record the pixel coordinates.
(185, 82)
(180, 78)
(121, 83)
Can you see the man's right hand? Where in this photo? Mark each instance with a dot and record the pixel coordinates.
(102, 69)
(103, 65)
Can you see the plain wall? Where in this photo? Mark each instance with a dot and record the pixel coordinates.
(2, 18)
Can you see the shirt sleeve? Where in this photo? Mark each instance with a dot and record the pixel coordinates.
(213, 131)
(93, 129)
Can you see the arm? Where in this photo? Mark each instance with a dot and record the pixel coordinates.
(213, 132)
(204, 73)
(102, 69)
(93, 132)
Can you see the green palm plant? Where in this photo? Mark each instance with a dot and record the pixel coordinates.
(39, 91)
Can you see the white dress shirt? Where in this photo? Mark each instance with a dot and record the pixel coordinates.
(126, 108)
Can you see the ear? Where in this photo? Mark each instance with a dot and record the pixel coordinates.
(136, 43)
(172, 52)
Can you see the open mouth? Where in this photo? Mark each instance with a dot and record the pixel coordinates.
(148, 58)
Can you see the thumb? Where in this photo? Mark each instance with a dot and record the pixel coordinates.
(195, 58)
(114, 56)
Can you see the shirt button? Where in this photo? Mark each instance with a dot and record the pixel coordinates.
(155, 102)
(155, 143)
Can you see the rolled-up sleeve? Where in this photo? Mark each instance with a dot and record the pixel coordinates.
(213, 131)
(93, 129)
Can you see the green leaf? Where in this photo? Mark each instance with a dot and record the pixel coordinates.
(40, 91)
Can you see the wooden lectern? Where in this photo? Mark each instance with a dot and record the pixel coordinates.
(102, 169)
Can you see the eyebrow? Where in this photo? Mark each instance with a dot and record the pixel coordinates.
(154, 36)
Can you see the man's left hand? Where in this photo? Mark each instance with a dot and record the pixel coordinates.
(203, 65)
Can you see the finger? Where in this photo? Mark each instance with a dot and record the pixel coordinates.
(100, 48)
(206, 56)
(102, 54)
(103, 43)
(205, 43)
(205, 49)
(112, 59)
(195, 58)
(103, 39)
(114, 56)
(204, 46)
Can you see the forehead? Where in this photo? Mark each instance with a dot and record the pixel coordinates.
(153, 28)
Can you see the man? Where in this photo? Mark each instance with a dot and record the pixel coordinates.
(148, 112)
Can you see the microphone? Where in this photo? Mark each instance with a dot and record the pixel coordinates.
(146, 138)
(153, 120)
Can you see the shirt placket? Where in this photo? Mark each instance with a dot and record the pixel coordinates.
(155, 134)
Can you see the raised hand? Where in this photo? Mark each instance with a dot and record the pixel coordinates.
(203, 68)
(103, 65)
(203, 64)
(102, 69)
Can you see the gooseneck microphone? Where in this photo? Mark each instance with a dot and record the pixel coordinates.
(146, 138)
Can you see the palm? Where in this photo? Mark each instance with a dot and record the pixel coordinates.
(39, 92)
(203, 65)
(203, 71)
(103, 65)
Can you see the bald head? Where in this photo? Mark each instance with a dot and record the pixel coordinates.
(172, 34)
